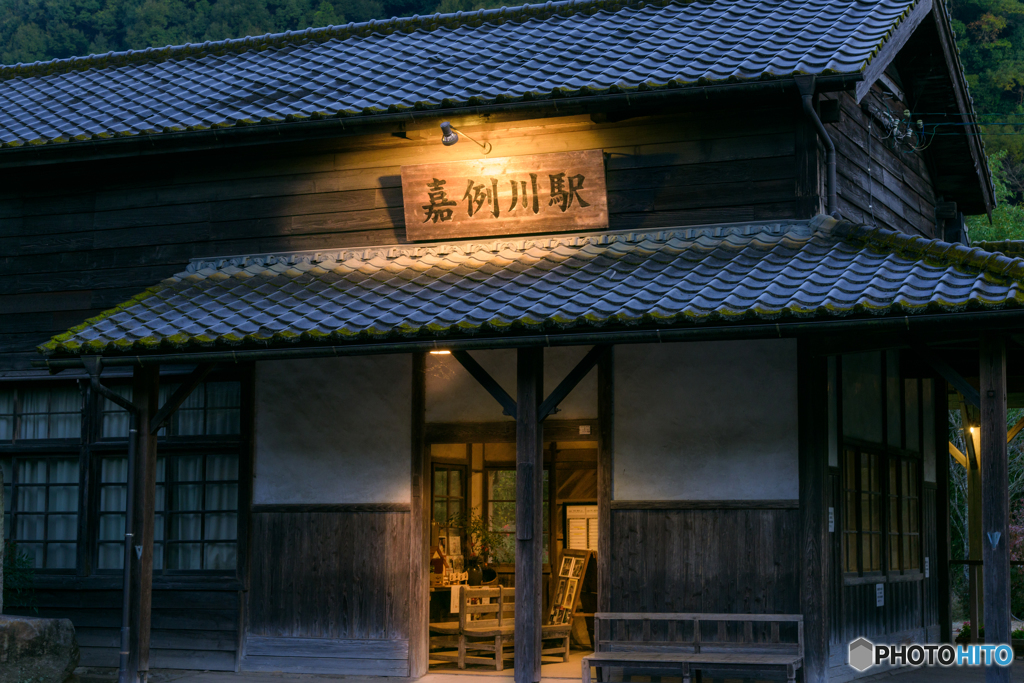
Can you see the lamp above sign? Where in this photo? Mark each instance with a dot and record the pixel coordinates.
(507, 196)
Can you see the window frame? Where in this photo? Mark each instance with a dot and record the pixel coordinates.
(889, 454)
(89, 447)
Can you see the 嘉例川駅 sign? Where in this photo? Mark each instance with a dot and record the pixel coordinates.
(505, 196)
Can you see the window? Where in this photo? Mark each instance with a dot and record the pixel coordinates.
(904, 518)
(862, 532)
(32, 414)
(213, 409)
(42, 512)
(501, 512)
(449, 496)
(197, 512)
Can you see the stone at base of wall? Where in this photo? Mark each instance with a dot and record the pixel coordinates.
(36, 650)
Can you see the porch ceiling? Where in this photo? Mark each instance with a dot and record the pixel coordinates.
(669, 278)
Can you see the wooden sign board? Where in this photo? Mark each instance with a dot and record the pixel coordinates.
(505, 196)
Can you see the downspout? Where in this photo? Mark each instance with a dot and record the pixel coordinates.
(806, 86)
(93, 365)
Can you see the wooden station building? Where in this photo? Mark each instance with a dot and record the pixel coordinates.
(695, 265)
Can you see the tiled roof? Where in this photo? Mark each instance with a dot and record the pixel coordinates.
(675, 277)
(533, 52)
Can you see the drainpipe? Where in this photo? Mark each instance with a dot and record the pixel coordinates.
(93, 365)
(806, 86)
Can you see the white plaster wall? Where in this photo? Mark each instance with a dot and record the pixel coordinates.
(706, 421)
(334, 430)
(454, 396)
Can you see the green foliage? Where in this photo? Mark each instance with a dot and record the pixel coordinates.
(1007, 217)
(18, 578)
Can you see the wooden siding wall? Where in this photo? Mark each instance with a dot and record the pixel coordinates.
(329, 593)
(192, 629)
(882, 186)
(731, 561)
(81, 238)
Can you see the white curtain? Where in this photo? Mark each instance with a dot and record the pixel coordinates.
(222, 413)
(115, 418)
(6, 416)
(113, 499)
(48, 512)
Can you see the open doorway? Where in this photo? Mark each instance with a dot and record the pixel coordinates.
(472, 543)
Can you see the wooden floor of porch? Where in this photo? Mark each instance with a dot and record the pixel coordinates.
(551, 673)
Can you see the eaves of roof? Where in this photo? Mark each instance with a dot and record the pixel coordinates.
(597, 284)
(377, 68)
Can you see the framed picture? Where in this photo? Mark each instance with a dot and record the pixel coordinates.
(560, 593)
(577, 569)
(566, 568)
(570, 594)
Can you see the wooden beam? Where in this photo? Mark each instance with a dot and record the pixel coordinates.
(529, 514)
(812, 421)
(958, 456)
(486, 381)
(1015, 430)
(419, 527)
(942, 536)
(995, 507)
(180, 395)
(948, 373)
(574, 377)
(145, 396)
(876, 68)
(606, 449)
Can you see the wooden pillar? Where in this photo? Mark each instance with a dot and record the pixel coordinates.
(145, 396)
(975, 590)
(529, 514)
(940, 401)
(419, 552)
(812, 399)
(995, 508)
(606, 425)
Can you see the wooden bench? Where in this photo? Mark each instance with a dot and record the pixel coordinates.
(752, 653)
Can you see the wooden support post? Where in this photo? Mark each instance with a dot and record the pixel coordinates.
(995, 508)
(419, 531)
(605, 416)
(812, 399)
(145, 396)
(940, 400)
(529, 514)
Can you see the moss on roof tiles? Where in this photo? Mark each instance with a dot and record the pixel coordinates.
(466, 289)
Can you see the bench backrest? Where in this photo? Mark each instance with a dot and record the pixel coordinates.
(485, 606)
(688, 632)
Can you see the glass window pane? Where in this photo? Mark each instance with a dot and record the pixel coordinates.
(111, 527)
(62, 527)
(35, 553)
(115, 418)
(502, 516)
(60, 555)
(64, 471)
(441, 512)
(189, 468)
(111, 556)
(31, 499)
(221, 497)
(222, 526)
(222, 467)
(440, 482)
(31, 471)
(186, 527)
(220, 556)
(63, 499)
(187, 497)
(184, 555)
(30, 528)
(456, 483)
(114, 470)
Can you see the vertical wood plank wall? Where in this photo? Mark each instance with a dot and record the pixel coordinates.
(81, 238)
(705, 561)
(329, 593)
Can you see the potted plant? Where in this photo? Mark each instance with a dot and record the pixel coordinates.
(481, 542)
